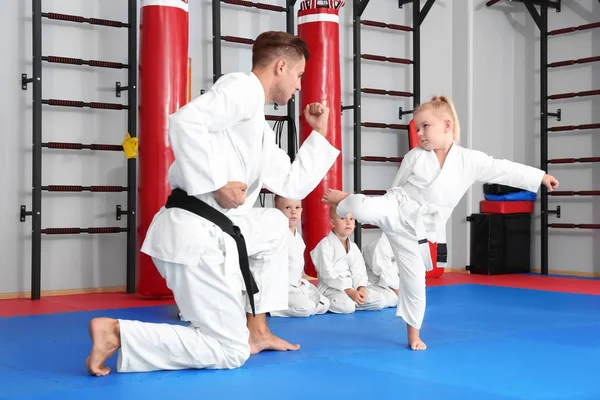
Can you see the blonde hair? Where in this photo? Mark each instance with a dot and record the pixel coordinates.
(332, 211)
(443, 103)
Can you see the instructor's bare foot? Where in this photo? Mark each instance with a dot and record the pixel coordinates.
(105, 336)
(267, 341)
(414, 341)
(262, 339)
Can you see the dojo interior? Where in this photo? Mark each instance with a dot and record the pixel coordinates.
(515, 314)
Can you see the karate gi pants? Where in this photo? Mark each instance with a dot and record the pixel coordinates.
(341, 303)
(391, 214)
(304, 301)
(211, 296)
(389, 297)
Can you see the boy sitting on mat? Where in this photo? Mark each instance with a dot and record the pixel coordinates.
(341, 269)
(382, 269)
(304, 298)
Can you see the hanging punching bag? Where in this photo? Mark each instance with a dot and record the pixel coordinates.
(318, 26)
(162, 90)
(413, 141)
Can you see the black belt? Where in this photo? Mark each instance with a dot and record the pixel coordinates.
(180, 199)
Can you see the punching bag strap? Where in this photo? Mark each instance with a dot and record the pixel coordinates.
(181, 199)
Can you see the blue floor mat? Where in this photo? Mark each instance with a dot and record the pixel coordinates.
(483, 342)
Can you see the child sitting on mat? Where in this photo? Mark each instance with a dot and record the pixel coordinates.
(341, 269)
(304, 298)
(382, 269)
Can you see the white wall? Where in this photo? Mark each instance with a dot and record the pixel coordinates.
(483, 53)
(515, 98)
(78, 261)
(573, 250)
(485, 58)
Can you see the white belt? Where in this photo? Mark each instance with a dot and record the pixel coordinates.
(414, 211)
(419, 227)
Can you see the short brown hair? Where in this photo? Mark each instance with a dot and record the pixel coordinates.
(271, 44)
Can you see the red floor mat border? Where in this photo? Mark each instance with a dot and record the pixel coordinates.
(523, 281)
(106, 301)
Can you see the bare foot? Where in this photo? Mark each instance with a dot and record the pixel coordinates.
(262, 339)
(105, 341)
(267, 341)
(417, 344)
(414, 341)
(333, 196)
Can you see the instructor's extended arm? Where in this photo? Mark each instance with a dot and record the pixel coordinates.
(315, 157)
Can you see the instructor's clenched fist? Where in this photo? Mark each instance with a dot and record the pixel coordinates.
(317, 116)
(231, 195)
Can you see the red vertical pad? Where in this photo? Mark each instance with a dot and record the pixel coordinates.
(436, 272)
(413, 141)
(413, 138)
(319, 28)
(162, 91)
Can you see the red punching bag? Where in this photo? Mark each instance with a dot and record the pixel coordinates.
(413, 136)
(162, 91)
(413, 141)
(318, 26)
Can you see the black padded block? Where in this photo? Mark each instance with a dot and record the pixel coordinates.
(500, 244)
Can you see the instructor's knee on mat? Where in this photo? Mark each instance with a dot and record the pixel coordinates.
(235, 357)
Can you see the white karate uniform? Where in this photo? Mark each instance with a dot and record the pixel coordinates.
(338, 270)
(219, 137)
(418, 205)
(304, 298)
(382, 269)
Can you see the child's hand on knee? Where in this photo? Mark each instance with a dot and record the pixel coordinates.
(354, 295)
(362, 292)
